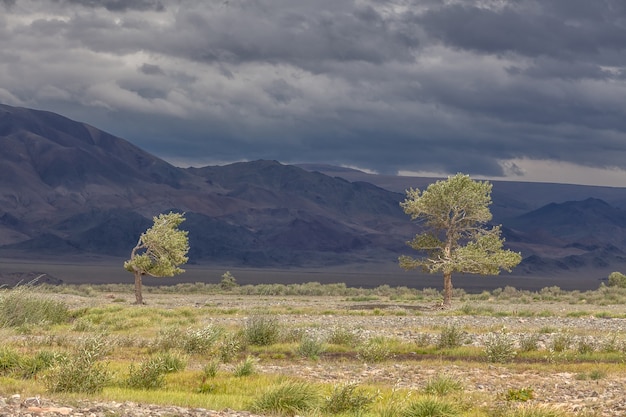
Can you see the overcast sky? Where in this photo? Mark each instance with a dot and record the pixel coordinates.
(521, 89)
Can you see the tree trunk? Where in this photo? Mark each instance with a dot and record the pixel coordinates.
(138, 296)
(447, 289)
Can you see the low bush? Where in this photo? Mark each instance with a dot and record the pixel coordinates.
(529, 342)
(500, 347)
(150, 374)
(344, 337)
(201, 340)
(451, 336)
(519, 395)
(442, 385)
(374, 350)
(81, 371)
(21, 307)
(348, 398)
(261, 330)
(431, 407)
(288, 399)
(246, 367)
(617, 279)
(310, 347)
(230, 346)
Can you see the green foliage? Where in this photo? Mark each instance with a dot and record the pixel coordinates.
(454, 214)
(617, 279)
(500, 347)
(585, 345)
(310, 347)
(81, 371)
(561, 342)
(442, 385)
(150, 373)
(348, 398)
(230, 346)
(246, 367)
(431, 407)
(10, 360)
(261, 330)
(201, 340)
(160, 250)
(228, 281)
(528, 342)
(343, 336)
(21, 307)
(210, 369)
(451, 336)
(191, 340)
(288, 399)
(519, 394)
(374, 350)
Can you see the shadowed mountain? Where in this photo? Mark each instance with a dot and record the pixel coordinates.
(69, 190)
(569, 235)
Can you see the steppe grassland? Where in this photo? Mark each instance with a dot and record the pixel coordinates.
(320, 349)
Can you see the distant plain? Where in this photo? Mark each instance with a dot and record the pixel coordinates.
(111, 271)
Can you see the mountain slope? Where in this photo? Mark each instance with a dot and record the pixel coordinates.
(68, 188)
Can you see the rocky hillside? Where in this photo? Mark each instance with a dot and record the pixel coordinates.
(67, 188)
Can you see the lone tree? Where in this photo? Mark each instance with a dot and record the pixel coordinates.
(159, 251)
(454, 214)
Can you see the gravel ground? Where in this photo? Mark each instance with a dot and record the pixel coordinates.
(566, 390)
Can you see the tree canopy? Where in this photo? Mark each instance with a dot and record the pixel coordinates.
(456, 238)
(160, 251)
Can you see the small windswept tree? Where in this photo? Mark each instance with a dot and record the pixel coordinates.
(160, 251)
(455, 214)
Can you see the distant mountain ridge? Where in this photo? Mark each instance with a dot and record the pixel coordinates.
(69, 189)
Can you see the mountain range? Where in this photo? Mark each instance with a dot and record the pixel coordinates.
(71, 191)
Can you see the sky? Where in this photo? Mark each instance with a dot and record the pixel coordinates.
(530, 90)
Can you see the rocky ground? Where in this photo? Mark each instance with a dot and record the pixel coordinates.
(597, 397)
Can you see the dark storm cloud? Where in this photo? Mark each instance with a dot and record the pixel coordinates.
(471, 85)
(563, 29)
(118, 5)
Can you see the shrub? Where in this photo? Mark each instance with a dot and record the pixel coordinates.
(585, 345)
(261, 331)
(147, 375)
(20, 307)
(228, 281)
(617, 279)
(10, 360)
(150, 373)
(431, 407)
(200, 340)
(442, 385)
(230, 347)
(521, 394)
(343, 336)
(81, 371)
(561, 342)
(528, 342)
(310, 347)
(43, 360)
(288, 399)
(500, 347)
(246, 368)
(451, 336)
(348, 398)
(210, 369)
(374, 350)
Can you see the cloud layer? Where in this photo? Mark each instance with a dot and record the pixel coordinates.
(476, 86)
